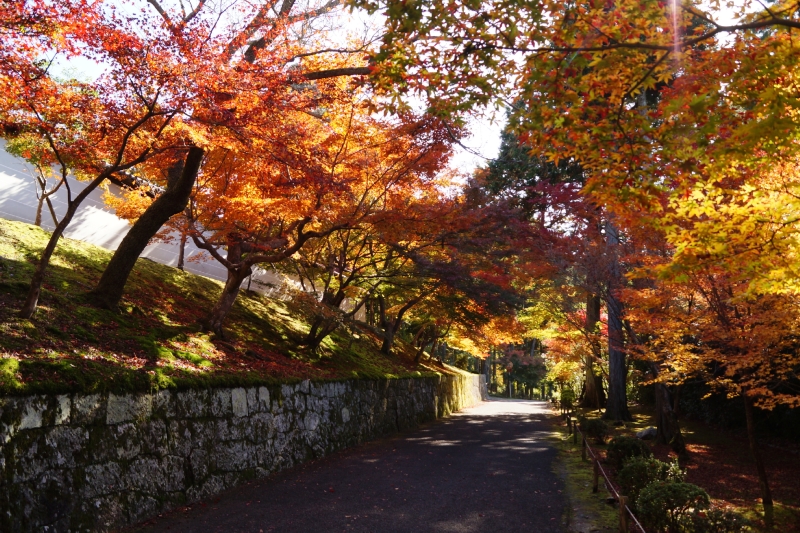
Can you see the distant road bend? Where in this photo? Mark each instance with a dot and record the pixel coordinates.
(485, 469)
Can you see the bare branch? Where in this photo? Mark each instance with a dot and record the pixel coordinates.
(638, 45)
(336, 72)
(160, 10)
(329, 51)
(194, 13)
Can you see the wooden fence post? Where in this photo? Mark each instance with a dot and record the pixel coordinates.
(575, 433)
(623, 514)
(583, 448)
(596, 475)
(569, 425)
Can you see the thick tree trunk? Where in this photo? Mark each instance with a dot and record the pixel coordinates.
(320, 329)
(617, 405)
(226, 300)
(388, 340)
(109, 289)
(593, 395)
(391, 327)
(667, 425)
(311, 336)
(766, 494)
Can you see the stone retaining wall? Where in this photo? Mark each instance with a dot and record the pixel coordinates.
(97, 462)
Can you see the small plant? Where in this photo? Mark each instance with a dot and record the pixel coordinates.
(622, 448)
(669, 507)
(639, 472)
(719, 521)
(595, 428)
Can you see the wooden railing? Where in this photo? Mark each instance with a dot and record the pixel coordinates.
(626, 516)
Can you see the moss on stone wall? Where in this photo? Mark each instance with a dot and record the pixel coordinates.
(99, 461)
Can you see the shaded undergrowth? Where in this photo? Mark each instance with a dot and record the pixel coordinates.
(721, 463)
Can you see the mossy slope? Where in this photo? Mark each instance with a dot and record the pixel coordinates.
(155, 340)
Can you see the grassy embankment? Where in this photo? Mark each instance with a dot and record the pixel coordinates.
(720, 462)
(155, 340)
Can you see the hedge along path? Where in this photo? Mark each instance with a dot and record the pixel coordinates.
(624, 510)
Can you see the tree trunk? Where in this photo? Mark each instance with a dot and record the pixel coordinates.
(38, 275)
(226, 300)
(593, 395)
(388, 340)
(766, 495)
(320, 328)
(182, 252)
(617, 406)
(32, 301)
(109, 289)
(311, 336)
(667, 425)
(391, 327)
(38, 220)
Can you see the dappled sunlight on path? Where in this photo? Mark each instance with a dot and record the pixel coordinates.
(488, 468)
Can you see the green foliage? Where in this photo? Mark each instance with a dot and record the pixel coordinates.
(596, 429)
(719, 521)
(623, 448)
(669, 507)
(8, 373)
(639, 472)
(517, 176)
(567, 398)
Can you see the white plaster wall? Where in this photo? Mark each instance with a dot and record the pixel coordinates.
(96, 223)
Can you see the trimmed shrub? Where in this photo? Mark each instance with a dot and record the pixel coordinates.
(719, 521)
(639, 472)
(668, 507)
(596, 429)
(622, 448)
(567, 398)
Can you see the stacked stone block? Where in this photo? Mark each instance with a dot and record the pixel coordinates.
(95, 462)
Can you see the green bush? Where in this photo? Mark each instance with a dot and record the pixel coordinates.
(719, 521)
(639, 472)
(622, 448)
(596, 429)
(669, 507)
(567, 398)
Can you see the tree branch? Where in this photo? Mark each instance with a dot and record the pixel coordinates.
(336, 72)
(194, 13)
(160, 10)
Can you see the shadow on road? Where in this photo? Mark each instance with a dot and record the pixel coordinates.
(486, 469)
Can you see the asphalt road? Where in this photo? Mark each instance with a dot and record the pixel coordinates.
(486, 469)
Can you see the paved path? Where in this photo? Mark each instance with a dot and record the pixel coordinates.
(486, 469)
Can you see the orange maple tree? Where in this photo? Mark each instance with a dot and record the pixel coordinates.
(312, 175)
(90, 129)
(242, 80)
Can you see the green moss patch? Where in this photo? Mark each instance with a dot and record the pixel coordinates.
(585, 510)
